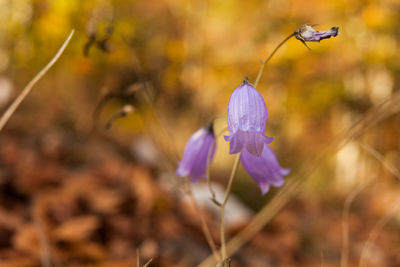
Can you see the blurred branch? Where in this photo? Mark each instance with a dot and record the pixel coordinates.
(123, 112)
(378, 156)
(376, 114)
(213, 198)
(102, 43)
(138, 260)
(11, 109)
(148, 263)
(223, 204)
(92, 32)
(225, 263)
(204, 226)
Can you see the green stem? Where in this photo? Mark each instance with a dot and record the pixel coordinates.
(260, 73)
(213, 198)
(237, 159)
(223, 204)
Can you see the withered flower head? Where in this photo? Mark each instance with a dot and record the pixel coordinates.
(307, 33)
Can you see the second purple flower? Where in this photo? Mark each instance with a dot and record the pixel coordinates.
(197, 152)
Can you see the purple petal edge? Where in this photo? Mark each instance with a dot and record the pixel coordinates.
(265, 170)
(253, 142)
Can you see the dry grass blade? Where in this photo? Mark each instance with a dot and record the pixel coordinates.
(148, 263)
(378, 156)
(376, 231)
(223, 204)
(345, 221)
(373, 116)
(137, 258)
(204, 226)
(11, 109)
(208, 169)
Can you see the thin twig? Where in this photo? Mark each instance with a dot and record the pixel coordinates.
(123, 112)
(223, 204)
(11, 109)
(208, 176)
(376, 231)
(392, 211)
(261, 71)
(204, 226)
(208, 169)
(147, 263)
(137, 258)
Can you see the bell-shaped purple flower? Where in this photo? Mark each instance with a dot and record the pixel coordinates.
(247, 118)
(194, 162)
(306, 33)
(265, 170)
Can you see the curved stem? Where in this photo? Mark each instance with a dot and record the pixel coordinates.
(213, 197)
(204, 226)
(260, 72)
(223, 204)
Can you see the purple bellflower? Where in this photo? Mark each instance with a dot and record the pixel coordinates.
(306, 33)
(194, 161)
(247, 118)
(265, 170)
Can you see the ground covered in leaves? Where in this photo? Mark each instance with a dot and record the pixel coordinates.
(72, 202)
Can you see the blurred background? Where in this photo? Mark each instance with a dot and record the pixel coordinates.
(80, 186)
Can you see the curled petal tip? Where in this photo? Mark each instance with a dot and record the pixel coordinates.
(264, 188)
(285, 172)
(268, 139)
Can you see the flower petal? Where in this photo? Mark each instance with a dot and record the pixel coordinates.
(246, 110)
(252, 141)
(195, 156)
(265, 170)
(235, 144)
